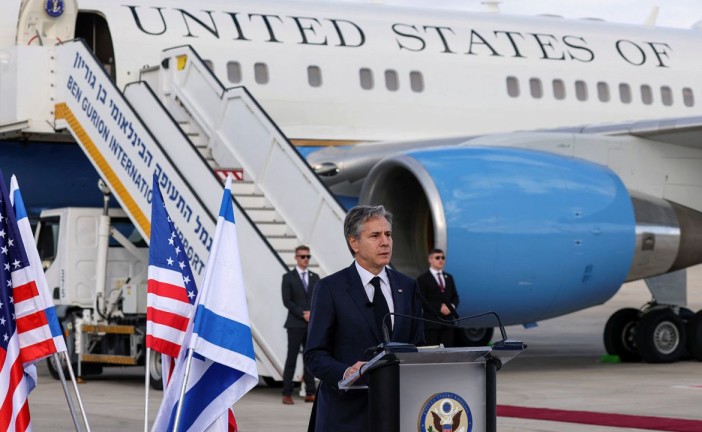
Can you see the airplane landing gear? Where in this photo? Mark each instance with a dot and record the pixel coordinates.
(656, 334)
(694, 336)
(620, 335)
(661, 336)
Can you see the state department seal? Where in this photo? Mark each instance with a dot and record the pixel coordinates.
(445, 412)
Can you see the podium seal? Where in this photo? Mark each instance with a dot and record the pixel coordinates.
(445, 412)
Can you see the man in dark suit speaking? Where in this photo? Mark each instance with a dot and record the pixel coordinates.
(298, 287)
(439, 290)
(346, 309)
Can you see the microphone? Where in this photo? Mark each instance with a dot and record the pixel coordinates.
(386, 331)
(456, 323)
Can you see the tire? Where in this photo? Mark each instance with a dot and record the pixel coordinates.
(53, 369)
(155, 370)
(620, 335)
(694, 336)
(474, 336)
(661, 336)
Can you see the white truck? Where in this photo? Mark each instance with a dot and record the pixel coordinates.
(96, 266)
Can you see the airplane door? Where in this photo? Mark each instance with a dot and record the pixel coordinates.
(94, 29)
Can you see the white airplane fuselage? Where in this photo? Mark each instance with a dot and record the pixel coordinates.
(352, 72)
(537, 224)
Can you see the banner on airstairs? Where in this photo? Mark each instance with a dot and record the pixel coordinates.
(125, 152)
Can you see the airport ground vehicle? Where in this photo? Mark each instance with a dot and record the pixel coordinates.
(96, 266)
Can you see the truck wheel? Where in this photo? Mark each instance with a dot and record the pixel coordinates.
(53, 368)
(694, 335)
(620, 335)
(661, 336)
(155, 370)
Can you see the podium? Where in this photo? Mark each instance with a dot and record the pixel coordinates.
(433, 389)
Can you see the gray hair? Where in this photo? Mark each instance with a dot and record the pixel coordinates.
(357, 216)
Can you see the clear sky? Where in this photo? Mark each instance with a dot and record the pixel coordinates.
(672, 13)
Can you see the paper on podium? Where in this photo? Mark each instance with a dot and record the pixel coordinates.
(350, 383)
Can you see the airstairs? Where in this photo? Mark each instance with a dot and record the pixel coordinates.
(278, 190)
(182, 125)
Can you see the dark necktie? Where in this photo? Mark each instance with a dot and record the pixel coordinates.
(380, 305)
(440, 276)
(304, 279)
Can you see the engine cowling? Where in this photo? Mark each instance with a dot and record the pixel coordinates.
(529, 234)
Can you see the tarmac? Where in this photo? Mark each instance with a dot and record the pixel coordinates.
(560, 376)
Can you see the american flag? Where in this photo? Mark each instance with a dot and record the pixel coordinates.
(171, 286)
(40, 333)
(14, 412)
(223, 367)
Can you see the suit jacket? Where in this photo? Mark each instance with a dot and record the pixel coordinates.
(431, 292)
(295, 298)
(342, 328)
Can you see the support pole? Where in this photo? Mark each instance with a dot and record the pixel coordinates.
(75, 387)
(491, 367)
(147, 377)
(71, 407)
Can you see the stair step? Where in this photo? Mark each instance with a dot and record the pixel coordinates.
(264, 215)
(253, 201)
(245, 188)
(273, 228)
(283, 242)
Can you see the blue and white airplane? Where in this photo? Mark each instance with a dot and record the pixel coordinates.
(552, 159)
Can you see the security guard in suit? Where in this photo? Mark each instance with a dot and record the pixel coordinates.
(441, 299)
(298, 286)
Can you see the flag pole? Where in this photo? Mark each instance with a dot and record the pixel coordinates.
(147, 377)
(75, 387)
(182, 390)
(71, 407)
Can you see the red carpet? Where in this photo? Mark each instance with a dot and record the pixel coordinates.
(601, 419)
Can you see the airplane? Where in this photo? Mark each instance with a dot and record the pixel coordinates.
(552, 159)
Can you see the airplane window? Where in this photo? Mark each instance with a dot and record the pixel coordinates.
(603, 91)
(666, 96)
(512, 87)
(581, 90)
(234, 72)
(624, 93)
(416, 81)
(314, 76)
(391, 81)
(209, 65)
(646, 94)
(366, 79)
(261, 73)
(559, 91)
(535, 88)
(688, 97)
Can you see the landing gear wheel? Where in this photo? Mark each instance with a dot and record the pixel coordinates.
(474, 336)
(661, 336)
(155, 370)
(694, 336)
(620, 335)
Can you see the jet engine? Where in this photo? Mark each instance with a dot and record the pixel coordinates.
(530, 235)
